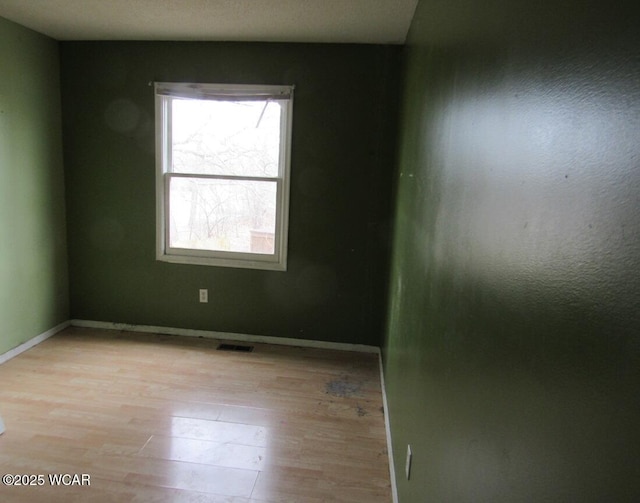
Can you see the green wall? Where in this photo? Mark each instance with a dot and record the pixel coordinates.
(33, 260)
(512, 354)
(340, 190)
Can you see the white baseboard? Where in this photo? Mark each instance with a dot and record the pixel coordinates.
(12, 353)
(227, 336)
(387, 424)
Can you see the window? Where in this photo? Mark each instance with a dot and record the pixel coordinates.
(222, 175)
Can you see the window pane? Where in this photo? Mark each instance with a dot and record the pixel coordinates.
(222, 215)
(226, 137)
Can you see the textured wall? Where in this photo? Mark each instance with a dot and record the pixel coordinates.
(340, 194)
(513, 345)
(33, 261)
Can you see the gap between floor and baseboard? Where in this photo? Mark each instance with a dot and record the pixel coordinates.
(12, 353)
(228, 337)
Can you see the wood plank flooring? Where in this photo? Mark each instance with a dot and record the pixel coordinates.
(152, 418)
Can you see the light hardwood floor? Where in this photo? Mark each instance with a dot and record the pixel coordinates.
(172, 419)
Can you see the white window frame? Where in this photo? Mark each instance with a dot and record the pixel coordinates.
(164, 93)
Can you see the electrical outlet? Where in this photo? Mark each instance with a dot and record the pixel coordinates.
(407, 466)
(204, 295)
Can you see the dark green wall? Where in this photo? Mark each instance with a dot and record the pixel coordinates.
(513, 348)
(33, 260)
(340, 198)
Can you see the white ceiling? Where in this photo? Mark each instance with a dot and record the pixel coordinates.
(327, 21)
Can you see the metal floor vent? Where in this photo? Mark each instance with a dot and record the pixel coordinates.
(235, 347)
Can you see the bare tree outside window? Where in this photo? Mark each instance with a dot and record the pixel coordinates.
(224, 138)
